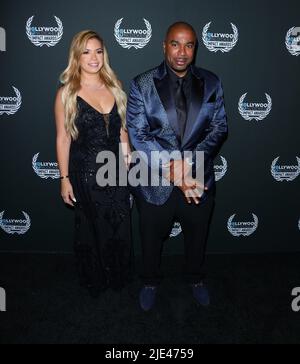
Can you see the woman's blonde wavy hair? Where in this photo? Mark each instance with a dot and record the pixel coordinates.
(71, 79)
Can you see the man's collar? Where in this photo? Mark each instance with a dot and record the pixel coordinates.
(174, 77)
(162, 71)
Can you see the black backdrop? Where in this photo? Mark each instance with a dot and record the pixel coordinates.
(258, 63)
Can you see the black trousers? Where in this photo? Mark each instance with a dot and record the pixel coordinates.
(155, 225)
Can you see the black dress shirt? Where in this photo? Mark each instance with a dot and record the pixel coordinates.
(173, 81)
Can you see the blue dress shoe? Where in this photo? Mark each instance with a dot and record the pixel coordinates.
(201, 294)
(147, 297)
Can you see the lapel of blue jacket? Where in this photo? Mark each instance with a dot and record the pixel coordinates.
(163, 90)
(164, 93)
(195, 106)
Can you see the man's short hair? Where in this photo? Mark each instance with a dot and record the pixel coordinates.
(182, 24)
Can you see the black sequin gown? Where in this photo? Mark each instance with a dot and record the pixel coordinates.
(102, 214)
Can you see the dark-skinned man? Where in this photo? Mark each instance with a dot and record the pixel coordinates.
(176, 107)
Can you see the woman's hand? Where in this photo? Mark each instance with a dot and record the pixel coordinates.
(67, 192)
(127, 159)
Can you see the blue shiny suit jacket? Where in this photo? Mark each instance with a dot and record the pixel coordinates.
(152, 123)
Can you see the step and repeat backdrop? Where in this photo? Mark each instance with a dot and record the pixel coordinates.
(253, 46)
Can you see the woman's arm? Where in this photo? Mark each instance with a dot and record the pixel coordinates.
(126, 148)
(63, 142)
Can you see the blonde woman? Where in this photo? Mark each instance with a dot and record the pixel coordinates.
(90, 111)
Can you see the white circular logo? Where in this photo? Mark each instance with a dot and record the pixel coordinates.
(45, 170)
(292, 41)
(222, 42)
(177, 230)
(242, 228)
(220, 170)
(133, 38)
(285, 172)
(44, 36)
(15, 226)
(10, 104)
(255, 110)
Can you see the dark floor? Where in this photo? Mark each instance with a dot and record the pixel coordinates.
(251, 303)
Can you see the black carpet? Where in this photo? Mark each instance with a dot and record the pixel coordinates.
(250, 294)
